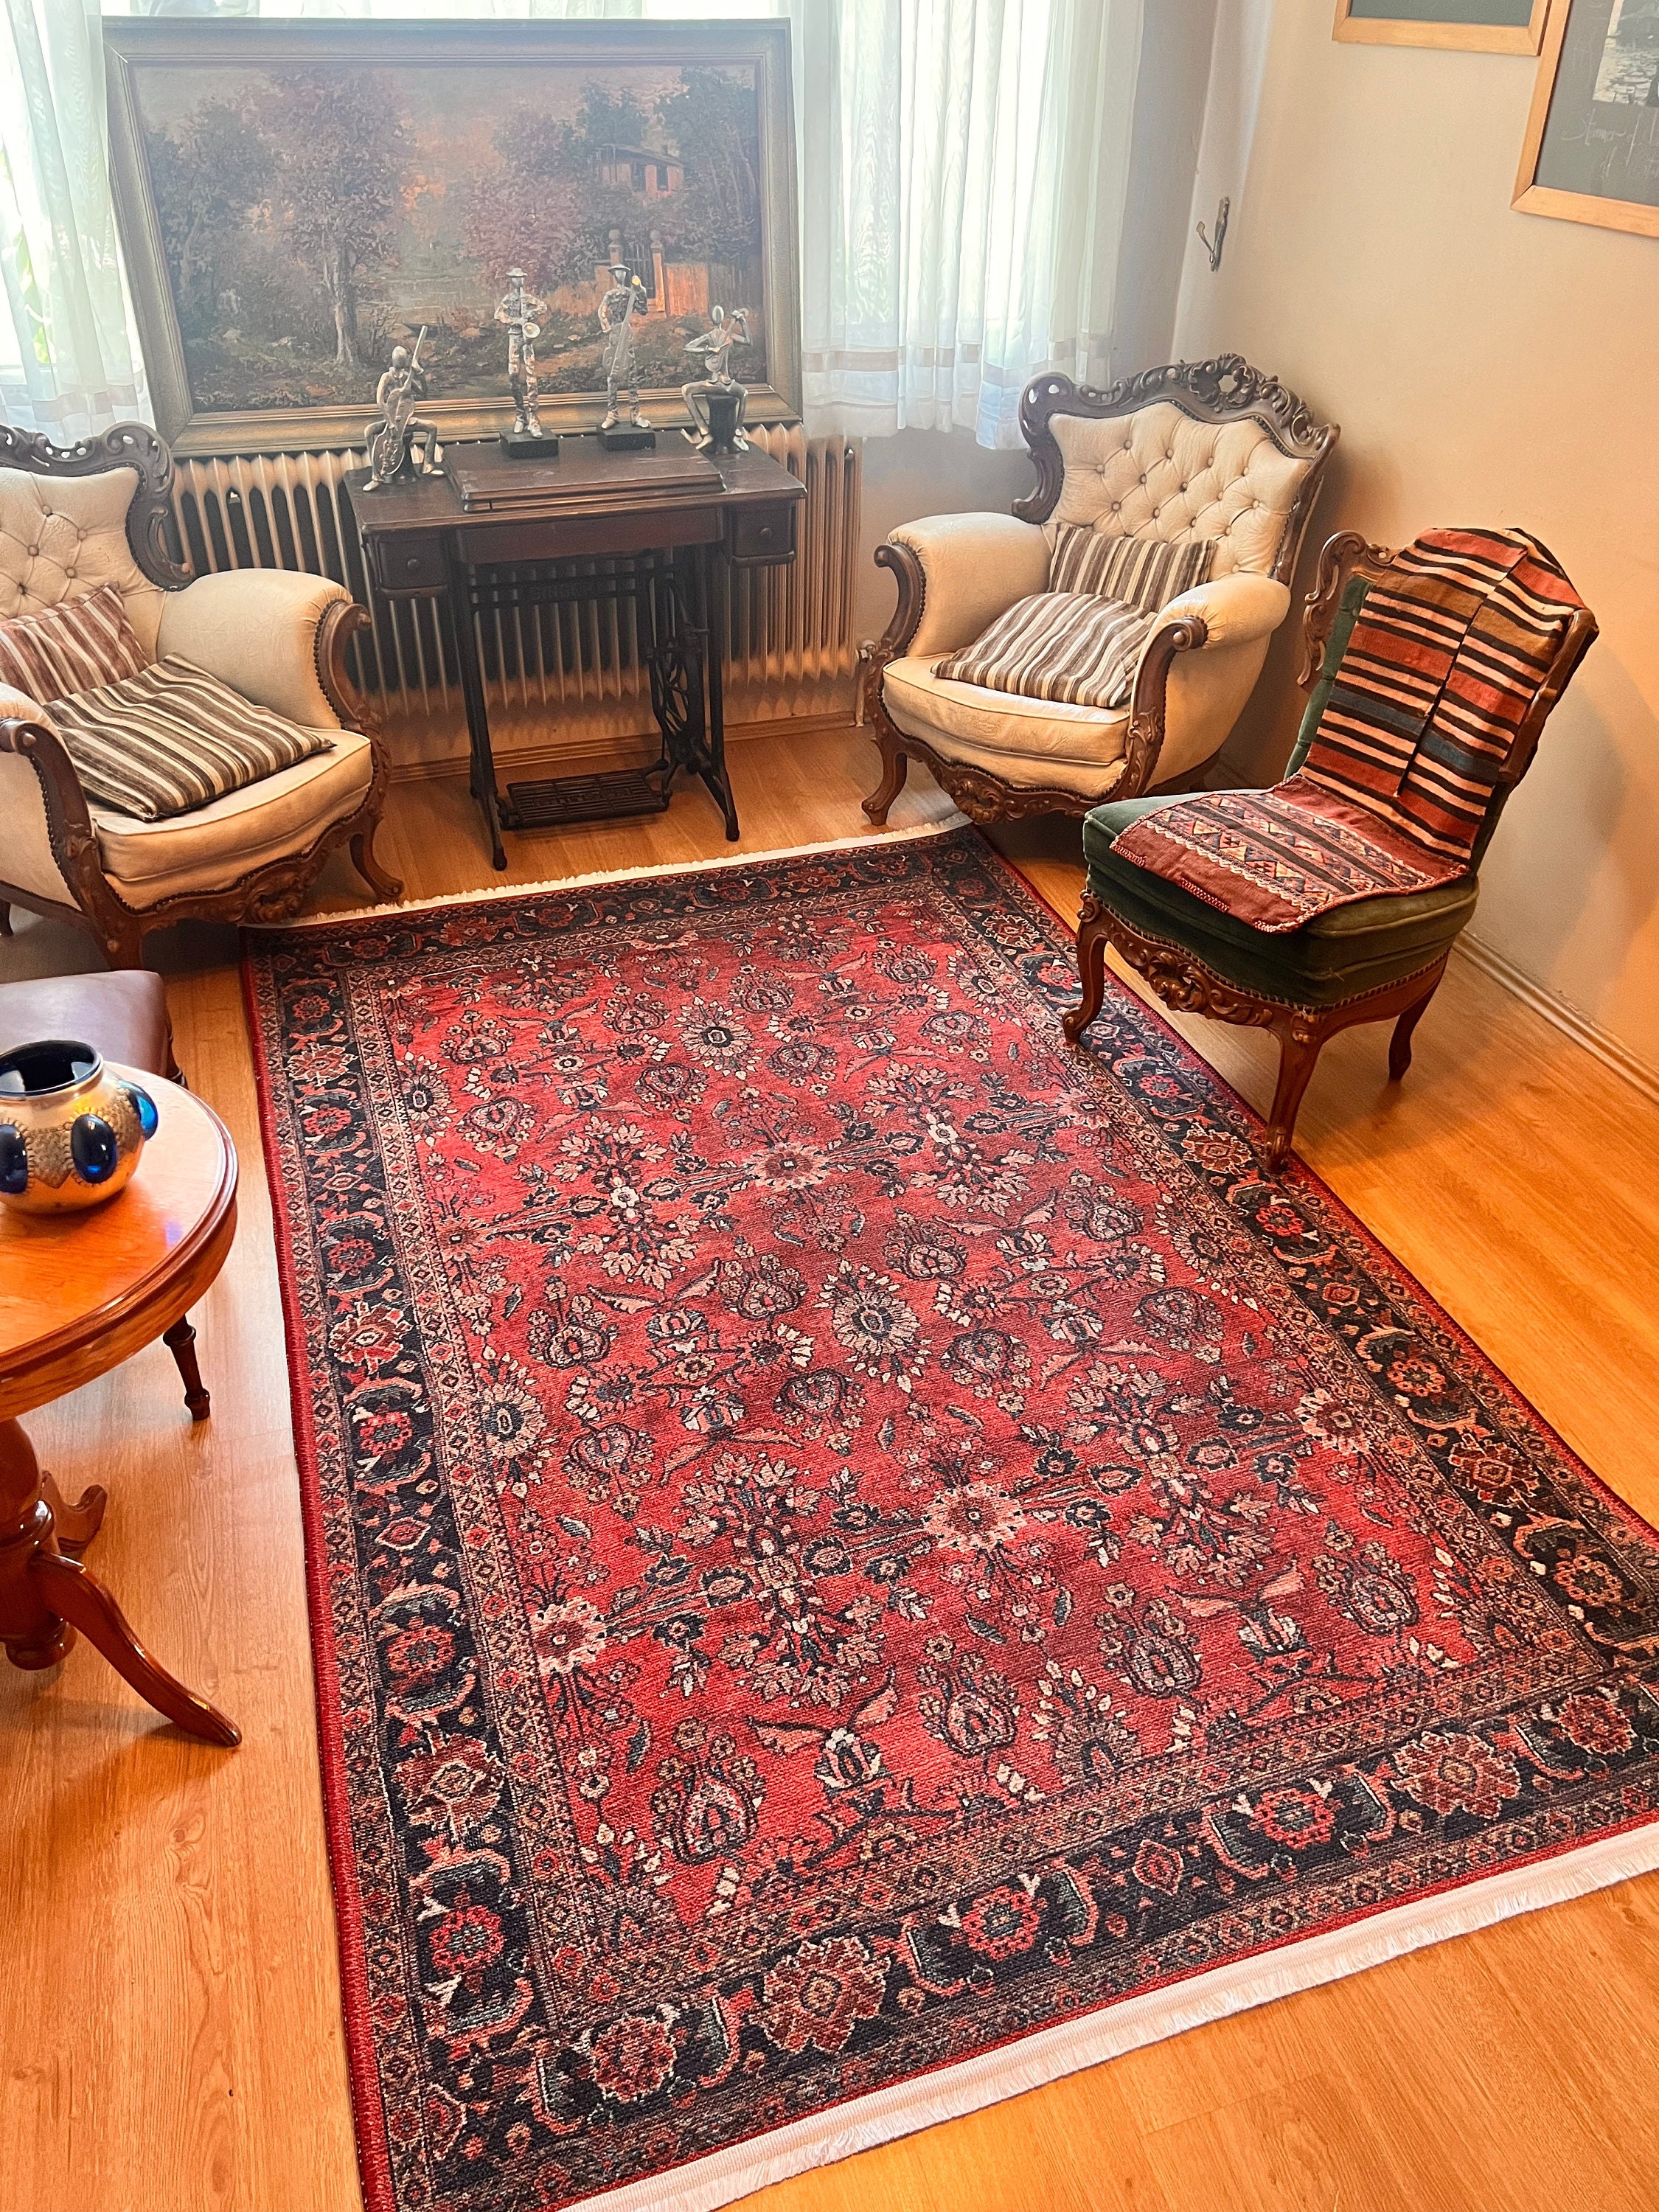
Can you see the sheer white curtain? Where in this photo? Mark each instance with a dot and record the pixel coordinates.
(965, 166)
(68, 362)
(963, 170)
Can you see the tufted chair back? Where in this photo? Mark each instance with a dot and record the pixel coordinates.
(62, 537)
(1159, 474)
(1208, 450)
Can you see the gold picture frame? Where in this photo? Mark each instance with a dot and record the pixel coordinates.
(1590, 136)
(451, 143)
(1446, 32)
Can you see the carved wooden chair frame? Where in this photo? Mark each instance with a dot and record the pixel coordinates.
(270, 893)
(1181, 980)
(1220, 391)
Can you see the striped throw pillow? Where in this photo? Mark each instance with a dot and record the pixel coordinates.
(1137, 572)
(76, 646)
(174, 737)
(1066, 646)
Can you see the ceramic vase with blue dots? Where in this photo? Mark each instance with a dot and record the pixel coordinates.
(71, 1128)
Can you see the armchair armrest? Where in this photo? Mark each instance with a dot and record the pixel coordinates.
(1234, 610)
(48, 847)
(958, 573)
(275, 636)
(1197, 669)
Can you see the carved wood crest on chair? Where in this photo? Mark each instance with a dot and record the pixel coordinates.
(277, 636)
(1210, 450)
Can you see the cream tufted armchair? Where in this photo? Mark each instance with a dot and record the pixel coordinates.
(1198, 450)
(73, 518)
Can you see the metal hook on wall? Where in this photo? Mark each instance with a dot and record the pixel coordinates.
(1213, 247)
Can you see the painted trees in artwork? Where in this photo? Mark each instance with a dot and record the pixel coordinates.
(341, 148)
(208, 181)
(718, 216)
(542, 209)
(544, 205)
(311, 218)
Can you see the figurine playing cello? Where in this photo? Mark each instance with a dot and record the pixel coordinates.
(718, 392)
(626, 297)
(400, 443)
(518, 310)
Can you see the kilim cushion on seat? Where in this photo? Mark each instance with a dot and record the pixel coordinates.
(1444, 666)
(1137, 572)
(74, 647)
(1068, 646)
(174, 737)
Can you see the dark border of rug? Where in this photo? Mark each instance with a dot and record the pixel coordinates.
(374, 2162)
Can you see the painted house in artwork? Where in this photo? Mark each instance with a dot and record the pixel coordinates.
(674, 288)
(646, 170)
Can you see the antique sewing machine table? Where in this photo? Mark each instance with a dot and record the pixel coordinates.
(660, 529)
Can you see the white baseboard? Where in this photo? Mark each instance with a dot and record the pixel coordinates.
(1564, 1016)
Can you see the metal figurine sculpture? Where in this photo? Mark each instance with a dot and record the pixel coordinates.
(717, 402)
(617, 312)
(401, 442)
(518, 310)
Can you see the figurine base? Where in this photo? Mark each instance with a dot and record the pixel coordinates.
(530, 445)
(628, 438)
(726, 409)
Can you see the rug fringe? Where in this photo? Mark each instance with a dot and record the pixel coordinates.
(1034, 2061)
(352, 916)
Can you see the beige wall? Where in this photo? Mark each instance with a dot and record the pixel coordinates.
(1485, 366)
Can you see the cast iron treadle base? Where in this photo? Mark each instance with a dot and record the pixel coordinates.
(584, 797)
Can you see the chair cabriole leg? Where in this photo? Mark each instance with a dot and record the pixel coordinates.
(1400, 1044)
(1299, 1047)
(380, 881)
(895, 768)
(1091, 968)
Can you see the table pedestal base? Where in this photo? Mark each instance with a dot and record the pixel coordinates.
(46, 1594)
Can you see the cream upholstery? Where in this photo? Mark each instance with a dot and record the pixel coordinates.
(149, 861)
(25, 846)
(922, 703)
(1156, 473)
(976, 567)
(1236, 609)
(1159, 473)
(62, 537)
(257, 630)
(1080, 749)
(18, 707)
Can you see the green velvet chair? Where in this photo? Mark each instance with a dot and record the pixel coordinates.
(1379, 959)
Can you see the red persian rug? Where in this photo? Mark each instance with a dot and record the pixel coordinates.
(861, 1558)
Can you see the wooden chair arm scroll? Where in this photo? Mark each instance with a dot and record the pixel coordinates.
(876, 653)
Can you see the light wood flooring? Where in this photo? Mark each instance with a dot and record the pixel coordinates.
(169, 2009)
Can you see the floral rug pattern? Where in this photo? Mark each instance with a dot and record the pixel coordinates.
(846, 1532)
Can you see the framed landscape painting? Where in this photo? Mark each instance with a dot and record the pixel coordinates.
(297, 199)
(1592, 147)
(1490, 27)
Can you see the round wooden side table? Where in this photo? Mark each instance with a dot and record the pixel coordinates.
(78, 1293)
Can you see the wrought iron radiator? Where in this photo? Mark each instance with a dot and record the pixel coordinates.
(558, 679)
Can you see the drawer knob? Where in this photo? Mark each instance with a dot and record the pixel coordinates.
(412, 566)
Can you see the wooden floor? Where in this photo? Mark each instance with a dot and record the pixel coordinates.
(169, 2008)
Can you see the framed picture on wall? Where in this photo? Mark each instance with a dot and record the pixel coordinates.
(1487, 27)
(297, 199)
(1592, 147)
